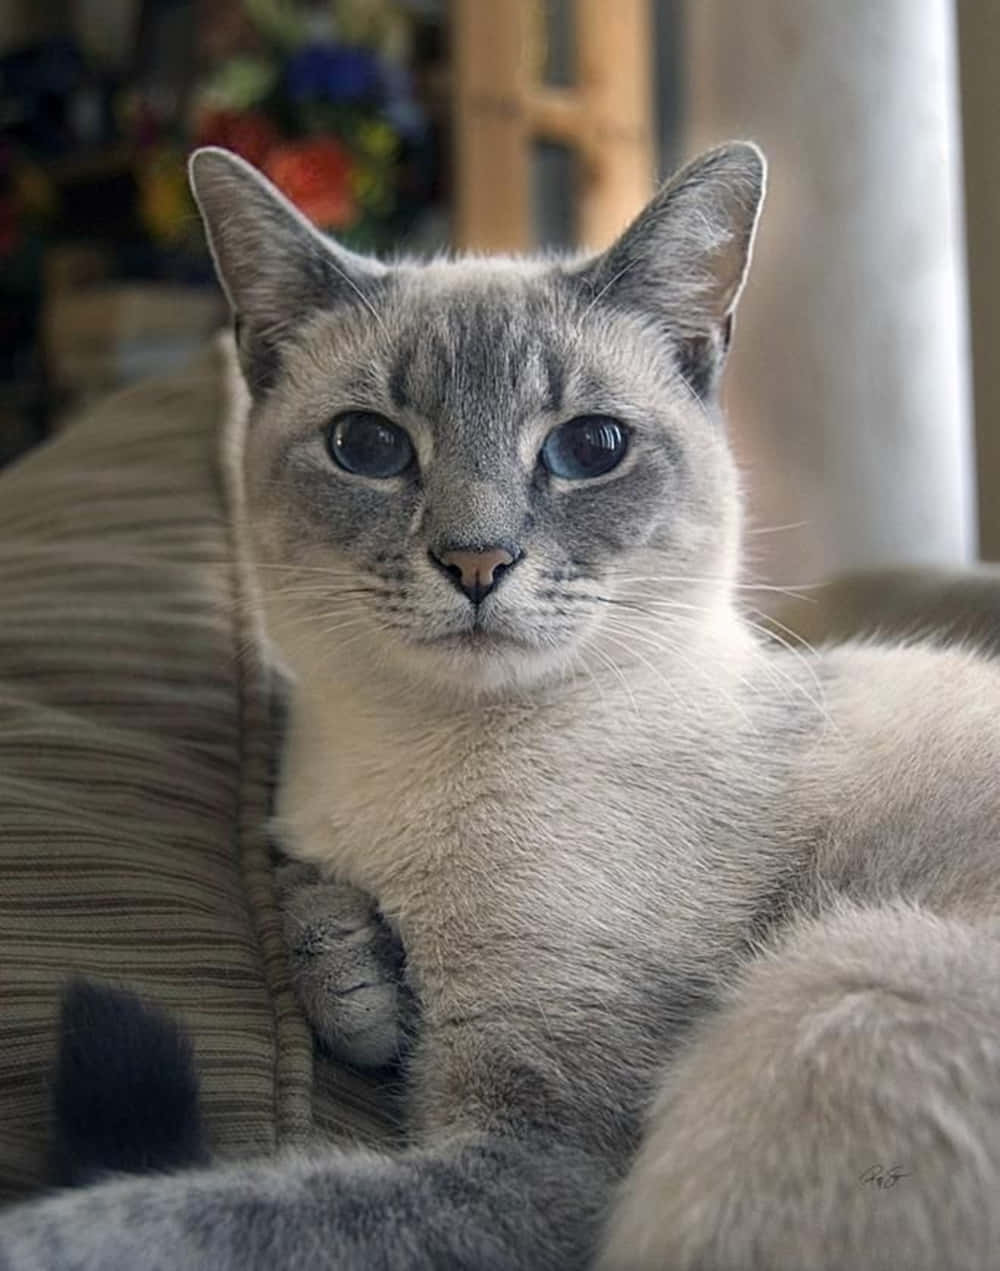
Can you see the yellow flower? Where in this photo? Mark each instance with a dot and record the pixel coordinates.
(377, 139)
(164, 201)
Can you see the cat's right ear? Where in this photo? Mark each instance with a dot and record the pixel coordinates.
(274, 266)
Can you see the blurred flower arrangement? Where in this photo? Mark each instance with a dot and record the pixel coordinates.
(318, 96)
(99, 117)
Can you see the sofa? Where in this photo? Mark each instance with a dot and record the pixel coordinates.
(137, 752)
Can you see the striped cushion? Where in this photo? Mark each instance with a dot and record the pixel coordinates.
(135, 751)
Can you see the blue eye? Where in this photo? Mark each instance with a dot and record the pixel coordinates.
(587, 446)
(368, 445)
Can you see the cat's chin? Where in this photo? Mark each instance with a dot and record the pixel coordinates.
(479, 662)
(477, 642)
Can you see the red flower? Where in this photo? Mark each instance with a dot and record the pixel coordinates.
(316, 176)
(248, 134)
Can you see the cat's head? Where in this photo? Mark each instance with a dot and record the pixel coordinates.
(484, 471)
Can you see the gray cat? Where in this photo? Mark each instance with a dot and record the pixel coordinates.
(704, 936)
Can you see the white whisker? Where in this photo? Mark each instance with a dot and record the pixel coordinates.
(616, 670)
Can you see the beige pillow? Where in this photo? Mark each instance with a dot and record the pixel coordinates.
(135, 757)
(908, 603)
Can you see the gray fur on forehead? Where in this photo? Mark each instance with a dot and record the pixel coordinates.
(480, 346)
(466, 340)
(679, 268)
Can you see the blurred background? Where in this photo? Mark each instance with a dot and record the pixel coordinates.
(864, 389)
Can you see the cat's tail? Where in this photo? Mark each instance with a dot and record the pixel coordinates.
(125, 1093)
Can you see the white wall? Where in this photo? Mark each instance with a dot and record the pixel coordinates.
(979, 41)
(848, 385)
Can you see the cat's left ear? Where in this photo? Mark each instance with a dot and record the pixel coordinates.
(274, 266)
(684, 259)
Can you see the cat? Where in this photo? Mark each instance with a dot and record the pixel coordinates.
(704, 936)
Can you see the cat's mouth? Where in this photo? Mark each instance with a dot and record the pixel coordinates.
(477, 640)
(482, 638)
(480, 635)
(486, 655)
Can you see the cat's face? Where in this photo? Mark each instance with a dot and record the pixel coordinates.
(482, 472)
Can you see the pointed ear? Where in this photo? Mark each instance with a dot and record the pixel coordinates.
(684, 259)
(274, 266)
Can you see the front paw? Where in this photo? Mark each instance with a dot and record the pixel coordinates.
(347, 967)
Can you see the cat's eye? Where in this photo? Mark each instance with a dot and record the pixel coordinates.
(369, 445)
(587, 446)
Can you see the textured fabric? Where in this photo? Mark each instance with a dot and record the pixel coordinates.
(135, 753)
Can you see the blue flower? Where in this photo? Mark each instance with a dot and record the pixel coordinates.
(334, 73)
(400, 107)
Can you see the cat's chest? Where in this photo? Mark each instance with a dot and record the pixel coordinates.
(495, 806)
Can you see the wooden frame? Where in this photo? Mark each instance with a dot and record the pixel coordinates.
(501, 108)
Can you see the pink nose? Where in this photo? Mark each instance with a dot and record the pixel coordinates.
(477, 573)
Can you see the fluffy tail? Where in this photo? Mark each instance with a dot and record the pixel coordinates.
(125, 1092)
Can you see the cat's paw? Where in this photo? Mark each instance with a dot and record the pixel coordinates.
(347, 967)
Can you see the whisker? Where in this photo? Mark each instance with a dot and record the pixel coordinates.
(607, 287)
(676, 654)
(337, 571)
(670, 619)
(609, 662)
(631, 651)
(794, 635)
(778, 529)
(671, 623)
(792, 590)
(819, 704)
(578, 659)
